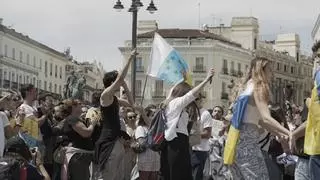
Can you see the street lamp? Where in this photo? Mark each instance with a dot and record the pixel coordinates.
(135, 6)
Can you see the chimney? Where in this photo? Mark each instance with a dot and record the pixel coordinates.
(1, 21)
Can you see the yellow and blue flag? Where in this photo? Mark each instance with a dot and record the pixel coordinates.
(312, 135)
(239, 110)
(166, 62)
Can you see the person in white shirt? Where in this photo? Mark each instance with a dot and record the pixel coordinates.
(200, 152)
(175, 156)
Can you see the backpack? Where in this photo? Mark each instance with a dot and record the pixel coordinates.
(10, 168)
(155, 136)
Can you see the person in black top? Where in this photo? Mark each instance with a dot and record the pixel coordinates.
(80, 137)
(109, 149)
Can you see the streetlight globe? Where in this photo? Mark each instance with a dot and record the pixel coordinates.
(152, 8)
(118, 6)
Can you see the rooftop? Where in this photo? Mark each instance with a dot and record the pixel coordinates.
(27, 39)
(188, 33)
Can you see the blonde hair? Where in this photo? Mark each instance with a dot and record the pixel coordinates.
(258, 74)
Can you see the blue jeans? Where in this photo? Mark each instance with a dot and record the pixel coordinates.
(198, 160)
(314, 167)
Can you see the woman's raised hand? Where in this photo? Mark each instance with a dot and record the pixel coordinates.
(210, 74)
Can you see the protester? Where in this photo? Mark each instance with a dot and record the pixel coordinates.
(175, 157)
(200, 151)
(253, 99)
(312, 125)
(79, 155)
(109, 149)
(148, 161)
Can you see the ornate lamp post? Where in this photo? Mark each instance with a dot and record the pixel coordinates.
(135, 6)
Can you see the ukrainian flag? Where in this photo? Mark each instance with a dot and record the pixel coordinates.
(312, 135)
(239, 110)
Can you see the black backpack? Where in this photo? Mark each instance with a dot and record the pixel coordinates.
(10, 168)
(155, 137)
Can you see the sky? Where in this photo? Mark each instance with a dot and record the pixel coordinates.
(94, 30)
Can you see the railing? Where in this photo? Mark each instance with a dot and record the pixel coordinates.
(199, 69)
(140, 68)
(225, 71)
(233, 73)
(240, 74)
(158, 94)
(224, 96)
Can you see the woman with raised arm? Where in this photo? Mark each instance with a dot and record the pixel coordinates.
(250, 110)
(175, 157)
(109, 149)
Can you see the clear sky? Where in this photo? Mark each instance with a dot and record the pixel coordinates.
(94, 30)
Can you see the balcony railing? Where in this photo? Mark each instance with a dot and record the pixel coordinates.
(233, 73)
(140, 69)
(199, 69)
(158, 94)
(240, 74)
(225, 71)
(224, 96)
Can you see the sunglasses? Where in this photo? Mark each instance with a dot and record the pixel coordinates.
(132, 117)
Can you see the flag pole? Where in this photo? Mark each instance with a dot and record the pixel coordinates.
(144, 88)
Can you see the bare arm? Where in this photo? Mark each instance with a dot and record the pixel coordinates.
(129, 94)
(195, 91)
(300, 131)
(107, 94)
(125, 103)
(268, 122)
(82, 130)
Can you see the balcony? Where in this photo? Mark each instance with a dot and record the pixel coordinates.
(224, 71)
(234, 73)
(158, 94)
(240, 74)
(224, 96)
(199, 69)
(140, 69)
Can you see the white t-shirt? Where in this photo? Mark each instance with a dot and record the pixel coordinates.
(4, 123)
(205, 122)
(29, 110)
(177, 119)
(148, 160)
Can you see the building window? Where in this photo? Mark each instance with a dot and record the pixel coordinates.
(50, 87)
(55, 88)
(39, 84)
(138, 88)
(21, 56)
(45, 85)
(199, 64)
(225, 67)
(60, 89)
(56, 71)
(60, 72)
(51, 69)
(255, 43)
(40, 64)
(13, 77)
(292, 70)
(13, 53)
(224, 94)
(139, 65)
(6, 50)
(34, 61)
(28, 59)
(297, 56)
(233, 72)
(20, 79)
(239, 70)
(46, 68)
(285, 68)
(5, 75)
(158, 88)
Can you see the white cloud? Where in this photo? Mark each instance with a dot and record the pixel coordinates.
(94, 30)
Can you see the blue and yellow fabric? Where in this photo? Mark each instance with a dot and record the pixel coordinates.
(239, 110)
(312, 135)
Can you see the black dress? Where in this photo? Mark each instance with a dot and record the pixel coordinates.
(110, 132)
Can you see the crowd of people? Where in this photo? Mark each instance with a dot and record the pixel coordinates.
(108, 139)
